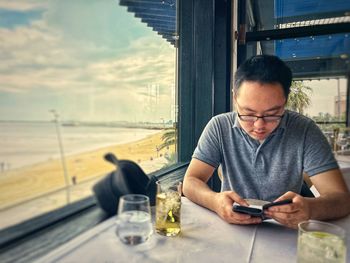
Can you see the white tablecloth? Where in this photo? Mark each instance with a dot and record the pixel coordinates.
(204, 238)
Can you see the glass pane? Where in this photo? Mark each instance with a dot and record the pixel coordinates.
(274, 14)
(328, 101)
(314, 56)
(327, 108)
(77, 81)
(320, 65)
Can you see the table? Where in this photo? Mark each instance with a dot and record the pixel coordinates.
(344, 163)
(204, 238)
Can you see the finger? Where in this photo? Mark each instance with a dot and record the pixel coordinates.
(230, 216)
(298, 204)
(240, 216)
(287, 195)
(283, 212)
(234, 196)
(288, 208)
(283, 219)
(290, 220)
(281, 215)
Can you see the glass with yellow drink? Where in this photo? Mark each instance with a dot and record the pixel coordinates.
(168, 209)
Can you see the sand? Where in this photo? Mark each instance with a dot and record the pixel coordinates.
(19, 185)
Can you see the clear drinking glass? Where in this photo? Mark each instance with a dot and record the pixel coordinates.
(168, 208)
(342, 142)
(134, 225)
(321, 242)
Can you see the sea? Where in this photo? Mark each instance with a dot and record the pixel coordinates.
(27, 143)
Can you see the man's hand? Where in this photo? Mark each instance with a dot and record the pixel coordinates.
(224, 202)
(290, 214)
(196, 189)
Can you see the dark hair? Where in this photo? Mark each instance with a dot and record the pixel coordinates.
(264, 69)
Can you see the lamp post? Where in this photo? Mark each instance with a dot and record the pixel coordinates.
(63, 161)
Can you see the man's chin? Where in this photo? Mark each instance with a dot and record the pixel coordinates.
(259, 136)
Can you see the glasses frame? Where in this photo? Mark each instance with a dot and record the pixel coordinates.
(254, 118)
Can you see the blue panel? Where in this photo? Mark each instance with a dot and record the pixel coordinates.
(313, 47)
(159, 15)
(290, 8)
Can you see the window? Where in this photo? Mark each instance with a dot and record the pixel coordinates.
(328, 102)
(78, 80)
(319, 79)
(312, 37)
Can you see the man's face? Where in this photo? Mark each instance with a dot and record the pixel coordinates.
(255, 98)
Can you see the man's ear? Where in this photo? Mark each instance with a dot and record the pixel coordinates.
(234, 101)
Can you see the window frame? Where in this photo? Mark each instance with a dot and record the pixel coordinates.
(278, 34)
(204, 90)
(205, 41)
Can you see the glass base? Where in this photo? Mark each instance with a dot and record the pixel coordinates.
(169, 232)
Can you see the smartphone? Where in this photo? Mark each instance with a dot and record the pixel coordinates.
(259, 212)
(282, 202)
(247, 210)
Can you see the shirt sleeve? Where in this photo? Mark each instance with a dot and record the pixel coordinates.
(318, 155)
(208, 147)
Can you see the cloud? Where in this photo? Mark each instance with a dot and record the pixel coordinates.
(37, 57)
(140, 66)
(44, 58)
(23, 5)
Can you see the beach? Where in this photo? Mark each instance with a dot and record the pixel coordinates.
(27, 143)
(17, 186)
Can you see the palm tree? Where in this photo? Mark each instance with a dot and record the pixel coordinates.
(168, 138)
(299, 97)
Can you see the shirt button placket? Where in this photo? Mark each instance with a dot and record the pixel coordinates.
(259, 170)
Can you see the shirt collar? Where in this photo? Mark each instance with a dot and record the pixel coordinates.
(236, 123)
(283, 122)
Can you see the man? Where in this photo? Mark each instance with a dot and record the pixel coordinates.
(263, 151)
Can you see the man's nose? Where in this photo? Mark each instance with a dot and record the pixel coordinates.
(259, 123)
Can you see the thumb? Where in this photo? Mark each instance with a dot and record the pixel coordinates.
(235, 197)
(288, 195)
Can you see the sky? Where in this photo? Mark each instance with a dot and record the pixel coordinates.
(90, 60)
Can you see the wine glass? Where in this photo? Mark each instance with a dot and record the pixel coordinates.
(342, 142)
(134, 225)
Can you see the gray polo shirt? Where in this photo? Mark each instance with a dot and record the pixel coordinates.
(267, 170)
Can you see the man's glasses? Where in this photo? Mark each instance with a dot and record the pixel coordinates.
(254, 118)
